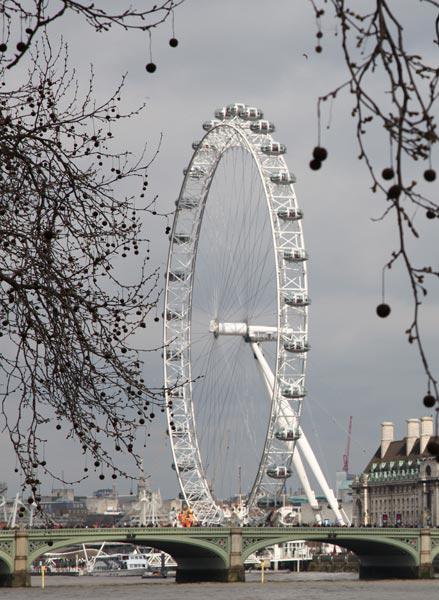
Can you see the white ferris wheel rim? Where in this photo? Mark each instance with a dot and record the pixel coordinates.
(292, 308)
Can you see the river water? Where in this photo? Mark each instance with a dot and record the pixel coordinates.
(278, 586)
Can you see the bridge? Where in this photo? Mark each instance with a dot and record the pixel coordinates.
(218, 553)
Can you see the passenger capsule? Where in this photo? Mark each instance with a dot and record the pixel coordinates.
(285, 434)
(283, 178)
(171, 315)
(173, 355)
(297, 255)
(232, 110)
(262, 127)
(298, 299)
(267, 502)
(188, 203)
(208, 125)
(184, 466)
(273, 149)
(181, 238)
(196, 497)
(278, 472)
(293, 391)
(221, 113)
(194, 172)
(250, 113)
(179, 431)
(290, 214)
(177, 276)
(202, 146)
(298, 345)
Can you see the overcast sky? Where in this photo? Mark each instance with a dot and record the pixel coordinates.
(262, 53)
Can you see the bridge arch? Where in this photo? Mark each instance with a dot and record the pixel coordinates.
(188, 552)
(434, 552)
(6, 564)
(378, 557)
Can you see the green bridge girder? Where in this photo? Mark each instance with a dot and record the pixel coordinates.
(210, 550)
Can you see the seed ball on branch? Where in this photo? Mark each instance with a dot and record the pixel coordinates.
(173, 42)
(21, 46)
(151, 67)
(394, 192)
(388, 173)
(383, 310)
(320, 153)
(429, 400)
(430, 175)
(430, 214)
(3, 47)
(315, 164)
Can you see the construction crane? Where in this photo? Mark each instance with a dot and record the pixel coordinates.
(348, 448)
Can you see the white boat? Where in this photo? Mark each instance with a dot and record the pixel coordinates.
(291, 556)
(122, 565)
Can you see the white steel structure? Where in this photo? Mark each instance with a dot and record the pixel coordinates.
(255, 282)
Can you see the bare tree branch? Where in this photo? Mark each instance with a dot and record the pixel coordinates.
(22, 22)
(374, 46)
(68, 320)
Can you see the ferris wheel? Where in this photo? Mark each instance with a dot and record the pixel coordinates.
(236, 320)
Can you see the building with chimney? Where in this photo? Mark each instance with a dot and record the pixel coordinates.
(400, 485)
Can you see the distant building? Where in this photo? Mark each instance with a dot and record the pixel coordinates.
(400, 485)
(65, 512)
(343, 487)
(103, 501)
(67, 494)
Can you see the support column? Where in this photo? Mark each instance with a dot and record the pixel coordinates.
(236, 571)
(364, 482)
(425, 566)
(20, 576)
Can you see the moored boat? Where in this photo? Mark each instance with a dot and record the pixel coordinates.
(121, 565)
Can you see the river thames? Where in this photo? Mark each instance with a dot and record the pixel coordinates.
(278, 586)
